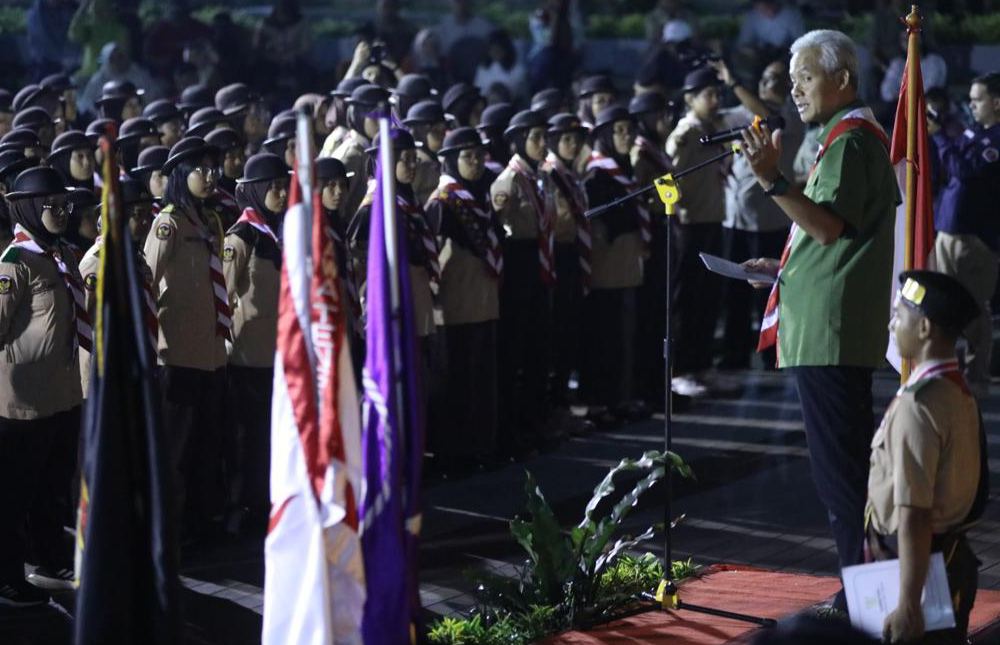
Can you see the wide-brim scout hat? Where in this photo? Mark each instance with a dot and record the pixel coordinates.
(58, 83)
(524, 120)
(611, 115)
(939, 297)
(281, 130)
(12, 162)
(19, 139)
(161, 110)
(152, 158)
(461, 138)
(699, 79)
(458, 92)
(37, 182)
(99, 128)
(137, 128)
(368, 95)
(186, 149)
(82, 198)
(33, 118)
(135, 192)
(599, 84)
(423, 113)
(264, 166)
(413, 86)
(496, 116)
(566, 123)
(648, 102)
(224, 139)
(346, 86)
(234, 98)
(204, 121)
(401, 140)
(118, 90)
(195, 97)
(329, 168)
(69, 141)
(549, 99)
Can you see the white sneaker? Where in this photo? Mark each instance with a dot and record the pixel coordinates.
(688, 385)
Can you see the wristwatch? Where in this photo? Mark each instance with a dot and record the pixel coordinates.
(779, 186)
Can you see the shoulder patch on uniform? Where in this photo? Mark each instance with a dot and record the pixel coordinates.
(6, 284)
(500, 199)
(90, 281)
(228, 253)
(11, 255)
(164, 231)
(991, 155)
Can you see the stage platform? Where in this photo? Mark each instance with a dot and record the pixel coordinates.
(757, 592)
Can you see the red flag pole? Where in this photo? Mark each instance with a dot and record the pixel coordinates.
(913, 23)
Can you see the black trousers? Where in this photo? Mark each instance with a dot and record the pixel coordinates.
(837, 411)
(609, 328)
(247, 437)
(567, 321)
(743, 303)
(695, 295)
(469, 415)
(651, 320)
(525, 324)
(38, 464)
(193, 415)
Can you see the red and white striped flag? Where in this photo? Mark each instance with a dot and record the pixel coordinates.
(314, 590)
(913, 250)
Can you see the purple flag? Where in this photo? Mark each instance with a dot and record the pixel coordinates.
(393, 442)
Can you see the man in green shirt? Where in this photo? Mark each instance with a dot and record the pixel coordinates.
(829, 310)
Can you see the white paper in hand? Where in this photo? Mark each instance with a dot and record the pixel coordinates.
(873, 593)
(729, 269)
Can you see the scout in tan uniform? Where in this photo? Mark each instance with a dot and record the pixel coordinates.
(426, 121)
(654, 120)
(336, 115)
(522, 200)
(364, 100)
(422, 240)
(695, 292)
(43, 323)
(565, 136)
(616, 269)
(183, 251)
(138, 205)
(251, 260)
(12, 163)
(494, 121)
(471, 270)
(929, 478)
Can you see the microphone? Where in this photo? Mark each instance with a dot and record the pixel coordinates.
(773, 122)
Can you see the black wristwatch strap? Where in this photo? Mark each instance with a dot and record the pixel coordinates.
(778, 187)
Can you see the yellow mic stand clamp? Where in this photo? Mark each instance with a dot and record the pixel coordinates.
(670, 194)
(667, 596)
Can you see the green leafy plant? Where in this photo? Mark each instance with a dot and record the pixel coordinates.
(571, 578)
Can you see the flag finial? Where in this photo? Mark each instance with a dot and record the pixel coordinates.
(914, 21)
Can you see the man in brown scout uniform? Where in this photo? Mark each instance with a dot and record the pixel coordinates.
(926, 483)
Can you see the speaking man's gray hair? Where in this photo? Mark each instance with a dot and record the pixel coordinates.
(836, 51)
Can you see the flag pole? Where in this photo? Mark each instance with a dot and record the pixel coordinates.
(913, 24)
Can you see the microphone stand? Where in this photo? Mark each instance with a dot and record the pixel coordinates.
(667, 595)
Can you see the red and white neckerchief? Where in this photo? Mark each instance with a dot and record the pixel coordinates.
(657, 154)
(416, 221)
(568, 185)
(148, 302)
(596, 162)
(226, 199)
(223, 313)
(949, 369)
(461, 198)
(349, 279)
(84, 336)
(256, 220)
(859, 118)
(533, 187)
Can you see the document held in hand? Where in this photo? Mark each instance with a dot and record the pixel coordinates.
(873, 593)
(724, 267)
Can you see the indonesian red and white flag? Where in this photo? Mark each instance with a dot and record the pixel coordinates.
(922, 241)
(314, 589)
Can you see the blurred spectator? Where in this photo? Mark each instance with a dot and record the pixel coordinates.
(232, 39)
(933, 70)
(202, 55)
(93, 26)
(163, 45)
(115, 66)
(461, 24)
(426, 58)
(282, 41)
(394, 30)
(557, 34)
(542, 25)
(501, 67)
(667, 64)
(49, 48)
(665, 11)
(884, 35)
(770, 25)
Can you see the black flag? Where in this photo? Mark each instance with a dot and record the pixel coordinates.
(126, 540)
